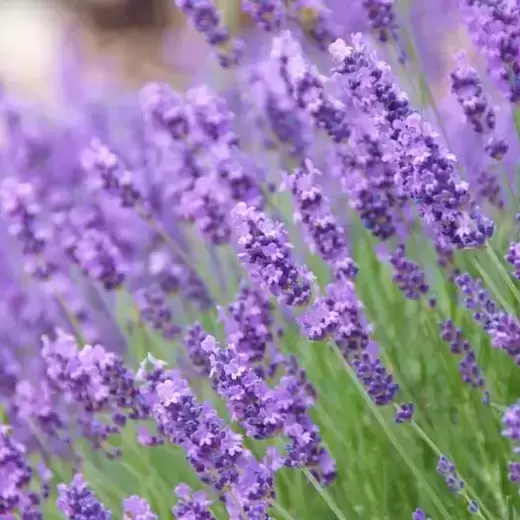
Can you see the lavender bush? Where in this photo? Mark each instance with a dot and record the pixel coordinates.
(289, 294)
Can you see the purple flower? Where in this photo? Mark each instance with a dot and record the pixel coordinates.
(137, 508)
(382, 19)
(408, 275)
(248, 398)
(265, 252)
(205, 18)
(99, 258)
(327, 237)
(110, 174)
(193, 339)
(154, 310)
(511, 430)
(278, 115)
(307, 87)
(213, 449)
(378, 382)
(16, 498)
(248, 323)
(466, 85)
(76, 500)
(469, 370)
(316, 20)
(95, 381)
(267, 14)
(369, 181)
(295, 395)
(191, 505)
(404, 413)
(20, 206)
(494, 30)
(502, 328)
(513, 257)
(425, 171)
(446, 469)
(419, 514)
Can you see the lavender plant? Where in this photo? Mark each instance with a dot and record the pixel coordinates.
(292, 298)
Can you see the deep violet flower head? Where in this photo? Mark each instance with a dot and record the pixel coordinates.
(513, 257)
(408, 275)
(76, 500)
(137, 508)
(502, 328)
(426, 171)
(191, 505)
(265, 252)
(446, 469)
(469, 369)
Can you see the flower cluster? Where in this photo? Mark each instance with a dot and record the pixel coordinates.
(494, 30)
(426, 171)
(469, 370)
(216, 453)
(502, 328)
(93, 380)
(408, 275)
(137, 508)
(511, 429)
(191, 505)
(16, 496)
(327, 238)
(248, 323)
(76, 500)
(265, 251)
(205, 17)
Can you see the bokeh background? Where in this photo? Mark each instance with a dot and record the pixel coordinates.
(141, 40)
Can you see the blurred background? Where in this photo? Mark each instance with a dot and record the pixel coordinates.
(137, 40)
(140, 40)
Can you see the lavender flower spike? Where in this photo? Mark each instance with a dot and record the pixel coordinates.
(425, 171)
(213, 449)
(477, 107)
(191, 505)
(307, 87)
(249, 400)
(204, 16)
(265, 252)
(137, 508)
(76, 500)
(327, 237)
(511, 429)
(267, 14)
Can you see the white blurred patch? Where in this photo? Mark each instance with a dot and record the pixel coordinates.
(29, 31)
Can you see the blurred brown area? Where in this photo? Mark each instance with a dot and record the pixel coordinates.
(142, 40)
